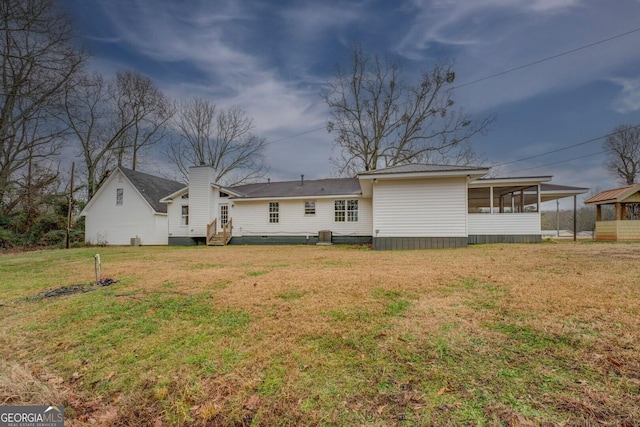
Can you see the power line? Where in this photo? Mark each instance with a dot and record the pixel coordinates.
(520, 67)
(510, 70)
(294, 136)
(564, 161)
(567, 147)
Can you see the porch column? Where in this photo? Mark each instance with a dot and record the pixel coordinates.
(618, 211)
(491, 200)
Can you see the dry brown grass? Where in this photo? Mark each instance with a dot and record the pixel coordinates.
(22, 386)
(542, 334)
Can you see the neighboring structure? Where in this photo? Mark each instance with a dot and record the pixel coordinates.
(403, 207)
(626, 223)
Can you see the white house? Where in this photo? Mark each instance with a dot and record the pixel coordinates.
(127, 206)
(402, 207)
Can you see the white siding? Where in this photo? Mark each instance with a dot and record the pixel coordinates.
(174, 211)
(202, 200)
(504, 224)
(420, 208)
(108, 223)
(251, 218)
(162, 227)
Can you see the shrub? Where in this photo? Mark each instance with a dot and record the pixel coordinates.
(7, 239)
(53, 238)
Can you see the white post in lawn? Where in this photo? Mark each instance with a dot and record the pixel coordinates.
(98, 267)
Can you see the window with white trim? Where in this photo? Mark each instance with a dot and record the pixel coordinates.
(340, 209)
(346, 210)
(274, 212)
(309, 207)
(184, 220)
(224, 214)
(352, 210)
(119, 196)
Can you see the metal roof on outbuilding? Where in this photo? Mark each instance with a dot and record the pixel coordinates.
(614, 195)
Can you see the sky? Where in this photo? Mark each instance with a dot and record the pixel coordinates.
(554, 73)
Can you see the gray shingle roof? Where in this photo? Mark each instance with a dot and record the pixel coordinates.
(310, 188)
(152, 188)
(421, 167)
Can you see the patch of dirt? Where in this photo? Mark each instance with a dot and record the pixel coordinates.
(74, 289)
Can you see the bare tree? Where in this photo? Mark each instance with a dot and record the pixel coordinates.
(143, 110)
(39, 60)
(91, 119)
(219, 138)
(114, 120)
(381, 121)
(623, 153)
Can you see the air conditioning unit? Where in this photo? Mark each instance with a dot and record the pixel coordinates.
(324, 237)
(135, 241)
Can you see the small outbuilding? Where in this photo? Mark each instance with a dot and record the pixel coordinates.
(626, 222)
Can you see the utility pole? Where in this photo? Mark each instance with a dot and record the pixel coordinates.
(575, 218)
(558, 217)
(70, 209)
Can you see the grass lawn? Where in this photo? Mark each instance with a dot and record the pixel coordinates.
(539, 334)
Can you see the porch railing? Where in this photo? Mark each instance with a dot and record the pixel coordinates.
(222, 236)
(212, 230)
(227, 231)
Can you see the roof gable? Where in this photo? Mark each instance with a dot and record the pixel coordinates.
(152, 188)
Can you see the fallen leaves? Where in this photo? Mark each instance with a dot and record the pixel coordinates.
(252, 403)
(443, 390)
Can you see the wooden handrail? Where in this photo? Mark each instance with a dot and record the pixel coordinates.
(213, 226)
(227, 231)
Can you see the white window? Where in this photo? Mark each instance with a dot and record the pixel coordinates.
(339, 211)
(346, 210)
(224, 214)
(274, 212)
(185, 216)
(309, 207)
(119, 196)
(352, 210)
